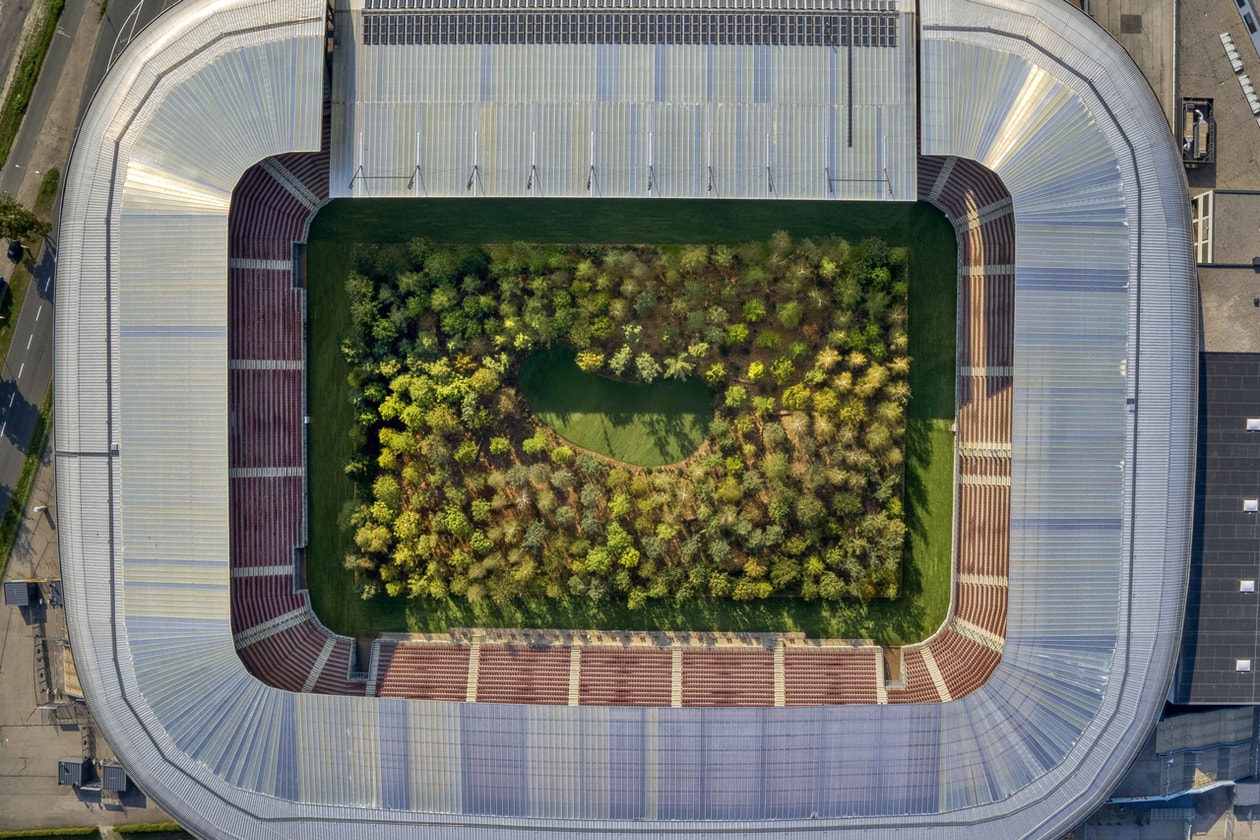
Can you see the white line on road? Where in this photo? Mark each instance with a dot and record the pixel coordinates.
(2, 427)
(12, 397)
(47, 280)
(20, 369)
(29, 339)
(37, 311)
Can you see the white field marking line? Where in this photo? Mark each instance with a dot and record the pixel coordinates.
(38, 311)
(20, 369)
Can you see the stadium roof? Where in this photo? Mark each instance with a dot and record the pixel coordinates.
(1103, 447)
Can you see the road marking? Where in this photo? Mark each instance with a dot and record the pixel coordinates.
(2, 427)
(37, 311)
(12, 397)
(47, 281)
(29, 339)
(20, 369)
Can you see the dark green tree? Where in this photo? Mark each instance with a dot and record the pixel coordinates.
(16, 222)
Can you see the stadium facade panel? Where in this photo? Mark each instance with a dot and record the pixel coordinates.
(1104, 379)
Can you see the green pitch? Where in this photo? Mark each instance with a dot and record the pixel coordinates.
(644, 425)
(929, 444)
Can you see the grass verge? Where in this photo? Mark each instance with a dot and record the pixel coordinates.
(47, 193)
(151, 831)
(30, 467)
(929, 451)
(29, 64)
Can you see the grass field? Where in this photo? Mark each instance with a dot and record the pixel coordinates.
(929, 450)
(645, 425)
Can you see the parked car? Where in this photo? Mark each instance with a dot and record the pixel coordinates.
(15, 250)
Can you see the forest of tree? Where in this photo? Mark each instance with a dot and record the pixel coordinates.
(796, 491)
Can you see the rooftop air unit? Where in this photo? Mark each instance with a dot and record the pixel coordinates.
(1231, 52)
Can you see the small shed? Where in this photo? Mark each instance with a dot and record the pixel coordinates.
(17, 593)
(114, 778)
(73, 772)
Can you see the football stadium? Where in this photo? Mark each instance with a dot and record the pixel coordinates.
(181, 423)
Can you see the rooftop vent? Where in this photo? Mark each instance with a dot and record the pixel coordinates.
(1251, 505)
(1242, 666)
(1253, 424)
(1246, 586)
(1231, 52)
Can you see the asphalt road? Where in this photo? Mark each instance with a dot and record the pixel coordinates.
(27, 371)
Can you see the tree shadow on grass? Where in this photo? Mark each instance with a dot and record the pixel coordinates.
(675, 436)
(883, 621)
(918, 459)
(659, 423)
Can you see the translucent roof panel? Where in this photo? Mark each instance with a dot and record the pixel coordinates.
(625, 101)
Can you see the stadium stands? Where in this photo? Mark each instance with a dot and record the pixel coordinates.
(521, 674)
(625, 677)
(820, 676)
(420, 671)
(277, 634)
(728, 678)
(266, 396)
(1100, 458)
(271, 208)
